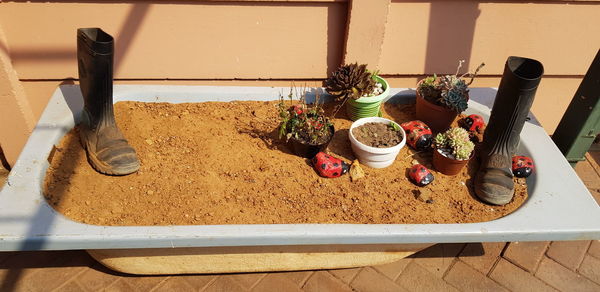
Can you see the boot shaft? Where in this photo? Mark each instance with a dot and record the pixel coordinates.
(95, 51)
(513, 101)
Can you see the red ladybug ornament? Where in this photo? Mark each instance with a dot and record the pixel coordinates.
(329, 166)
(419, 134)
(522, 166)
(473, 123)
(420, 175)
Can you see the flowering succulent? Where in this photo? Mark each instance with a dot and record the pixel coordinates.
(456, 142)
(450, 91)
(303, 122)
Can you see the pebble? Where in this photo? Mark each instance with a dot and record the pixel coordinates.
(424, 195)
(150, 192)
(149, 141)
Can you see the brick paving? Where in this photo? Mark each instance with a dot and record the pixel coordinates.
(516, 266)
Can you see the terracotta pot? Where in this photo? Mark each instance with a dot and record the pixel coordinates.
(306, 150)
(446, 165)
(438, 118)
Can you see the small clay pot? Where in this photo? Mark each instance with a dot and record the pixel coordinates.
(438, 118)
(306, 150)
(447, 165)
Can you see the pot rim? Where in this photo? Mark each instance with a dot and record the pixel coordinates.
(470, 156)
(376, 98)
(331, 128)
(371, 149)
(431, 104)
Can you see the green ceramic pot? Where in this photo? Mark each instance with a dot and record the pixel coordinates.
(367, 106)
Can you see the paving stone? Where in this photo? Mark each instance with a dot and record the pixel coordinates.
(466, 278)
(417, 278)
(563, 279)
(346, 275)
(526, 255)
(224, 284)
(48, 278)
(71, 286)
(299, 277)
(324, 281)
(438, 258)
(96, 278)
(143, 283)
(516, 279)
(588, 176)
(483, 263)
(175, 283)
(370, 280)
(594, 249)
(247, 280)
(393, 270)
(118, 286)
(568, 253)
(199, 282)
(276, 282)
(590, 268)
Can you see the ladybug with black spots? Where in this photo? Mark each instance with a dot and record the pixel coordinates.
(419, 135)
(420, 175)
(329, 166)
(522, 166)
(473, 123)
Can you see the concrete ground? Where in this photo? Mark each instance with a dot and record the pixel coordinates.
(505, 266)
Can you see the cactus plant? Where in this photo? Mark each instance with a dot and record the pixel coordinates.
(455, 142)
(449, 91)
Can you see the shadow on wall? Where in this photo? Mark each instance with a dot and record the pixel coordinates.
(450, 35)
(138, 12)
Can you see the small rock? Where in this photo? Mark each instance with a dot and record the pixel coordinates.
(356, 172)
(150, 192)
(424, 195)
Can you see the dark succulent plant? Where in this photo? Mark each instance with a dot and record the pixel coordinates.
(450, 91)
(352, 81)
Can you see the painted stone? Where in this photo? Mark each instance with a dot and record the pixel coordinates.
(473, 123)
(419, 135)
(522, 166)
(420, 175)
(329, 166)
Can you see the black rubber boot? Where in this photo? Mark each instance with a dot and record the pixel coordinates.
(107, 150)
(494, 180)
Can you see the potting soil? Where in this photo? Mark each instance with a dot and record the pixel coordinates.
(222, 163)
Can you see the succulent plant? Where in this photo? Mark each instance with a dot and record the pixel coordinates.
(457, 141)
(352, 81)
(450, 91)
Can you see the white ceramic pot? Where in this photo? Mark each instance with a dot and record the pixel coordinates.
(373, 156)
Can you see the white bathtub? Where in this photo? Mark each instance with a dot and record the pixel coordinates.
(559, 207)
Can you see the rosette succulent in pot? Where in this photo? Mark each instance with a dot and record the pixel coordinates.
(441, 98)
(361, 90)
(449, 91)
(453, 149)
(454, 143)
(350, 81)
